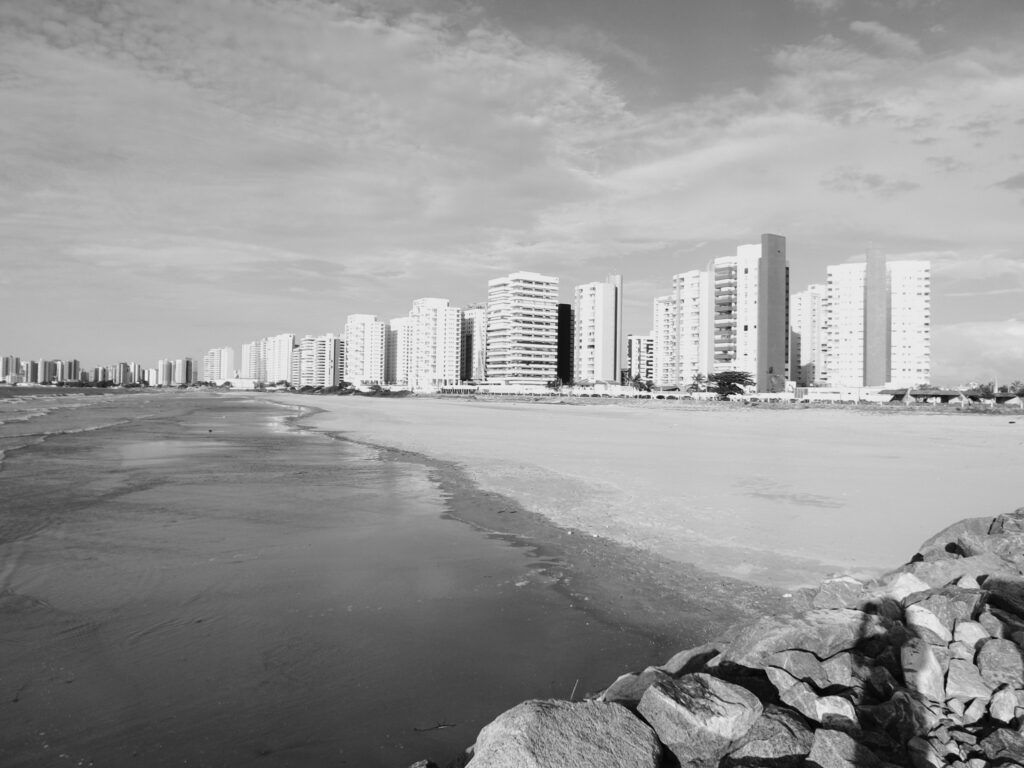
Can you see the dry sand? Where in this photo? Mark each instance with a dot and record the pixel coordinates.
(779, 497)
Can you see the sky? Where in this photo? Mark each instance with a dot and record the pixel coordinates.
(187, 175)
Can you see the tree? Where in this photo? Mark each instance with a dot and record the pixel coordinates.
(1017, 387)
(638, 383)
(730, 383)
(699, 383)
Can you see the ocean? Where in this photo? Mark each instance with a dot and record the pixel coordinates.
(190, 579)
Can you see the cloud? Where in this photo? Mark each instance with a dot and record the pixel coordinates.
(979, 351)
(1013, 182)
(821, 6)
(887, 39)
(945, 163)
(849, 180)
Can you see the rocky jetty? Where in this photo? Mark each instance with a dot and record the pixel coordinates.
(923, 667)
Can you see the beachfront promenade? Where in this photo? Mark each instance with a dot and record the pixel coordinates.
(779, 497)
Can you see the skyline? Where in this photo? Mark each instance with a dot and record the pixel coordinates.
(198, 175)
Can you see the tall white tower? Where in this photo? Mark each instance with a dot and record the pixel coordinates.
(364, 350)
(522, 328)
(598, 330)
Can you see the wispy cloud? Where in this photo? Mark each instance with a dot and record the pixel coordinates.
(821, 6)
(1013, 182)
(887, 39)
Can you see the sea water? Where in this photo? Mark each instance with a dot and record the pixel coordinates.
(192, 580)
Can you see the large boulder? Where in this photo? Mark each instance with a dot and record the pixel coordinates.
(921, 670)
(699, 717)
(1011, 522)
(944, 543)
(562, 734)
(821, 632)
(835, 749)
(692, 659)
(629, 689)
(938, 573)
(1000, 661)
(1007, 592)
(779, 738)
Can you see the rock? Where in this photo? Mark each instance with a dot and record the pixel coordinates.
(975, 711)
(902, 716)
(968, 582)
(962, 651)
(949, 603)
(805, 700)
(779, 738)
(699, 717)
(821, 632)
(941, 572)
(927, 625)
(881, 682)
(835, 749)
(842, 592)
(692, 660)
(944, 542)
(424, 764)
(1009, 546)
(902, 584)
(1011, 522)
(562, 734)
(801, 665)
(1004, 744)
(965, 682)
(839, 669)
(970, 633)
(1003, 705)
(921, 670)
(993, 625)
(923, 754)
(1007, 592)
(1000, 662)
(629, 689)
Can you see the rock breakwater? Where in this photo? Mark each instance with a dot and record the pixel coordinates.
(923, 667)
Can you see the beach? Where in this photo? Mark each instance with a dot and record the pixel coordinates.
(777, 497)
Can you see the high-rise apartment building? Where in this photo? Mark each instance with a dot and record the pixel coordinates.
(598, 331)
(474, 342)
(732, 316)
(316, 361)
(253, 364)
(277, 354)
(522, 328)
(365, 350)
(807, 335)
(877, 323)
(436, 331)
(219, 364)
(398, 351)
(640, 356)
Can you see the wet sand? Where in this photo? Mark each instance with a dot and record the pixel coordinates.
(776, 497)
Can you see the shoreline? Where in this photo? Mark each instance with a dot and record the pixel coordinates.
(619, 585)
(777, 497)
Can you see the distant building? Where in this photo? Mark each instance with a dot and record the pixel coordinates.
(219, 364)
(566, 343)
(474, 342)
(436, 331)
(807, 335)
(522, 328)
(398, 351)
(878, 323)
(597, 352)
(365, 350)
(640, 356)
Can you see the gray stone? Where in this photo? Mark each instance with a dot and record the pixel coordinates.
(822, 632)
(1009, 546)
(968, 582)
(926, 625)
(802, 665)
(1010, 522)
(993, 625)
(923, 754)
(965, 682)
(805, 700)
(699, 717)
(842, 592)
(921, 670)
(779, 738)
(692, 660)
(1007, 592)
(941, 572)
(562, 734)
(1004, 744)
(962, 651)
(970, 633)
(1003, 705)
(835, 749)
(944, 540)
(629, 689)
(839, 669)
(900, 585)
(975, 711)
(1000, 661)
(904, 715)
(424, 764)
